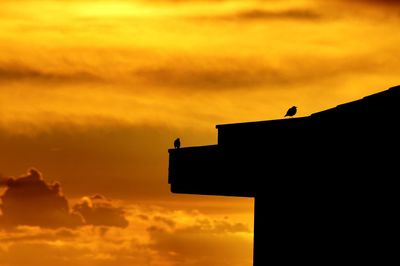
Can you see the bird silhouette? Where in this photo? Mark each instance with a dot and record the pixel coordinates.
(292, 111)
(177, 143)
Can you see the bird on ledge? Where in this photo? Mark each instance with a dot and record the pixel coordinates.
(177, 143)
(292, 111)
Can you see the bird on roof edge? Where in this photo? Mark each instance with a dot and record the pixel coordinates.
(292, 111)
(177, 143)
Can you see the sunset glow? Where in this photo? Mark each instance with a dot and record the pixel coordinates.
(93, 93)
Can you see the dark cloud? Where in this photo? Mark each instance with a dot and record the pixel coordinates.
(263, 14)
(19, 72)
(218, 74)
(97, 210)
(286, 14)
(30, 200)
(364, 5)
(222, 74)
(378, 2)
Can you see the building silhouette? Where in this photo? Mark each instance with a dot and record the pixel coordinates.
(325, 186)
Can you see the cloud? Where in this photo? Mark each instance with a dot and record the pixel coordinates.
(203, 74)
(38, 235)
(286, 14)
(384, 7)
(30, 200)
(224, 74)
(99, 211)
(20, 72)
(42, 253)
(166, 237)
(205, 241)
(378, 2)
(170, 222)
(192, 238)
(257, 14)
(198, 248)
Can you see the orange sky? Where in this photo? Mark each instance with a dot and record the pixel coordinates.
(93, 93)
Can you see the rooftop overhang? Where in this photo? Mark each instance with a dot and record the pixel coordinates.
(207, 170)
(331, 150)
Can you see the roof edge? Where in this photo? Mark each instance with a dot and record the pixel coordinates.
(393, 89)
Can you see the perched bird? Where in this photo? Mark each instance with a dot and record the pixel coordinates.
(177, 143)
(292, 111)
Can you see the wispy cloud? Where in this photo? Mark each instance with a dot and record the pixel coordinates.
(202, 74)
(13, 72)
(298, 14)
(378, 2)
(248, 15)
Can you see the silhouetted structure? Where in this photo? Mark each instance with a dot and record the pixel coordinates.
(337, 202)
(292, 111)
